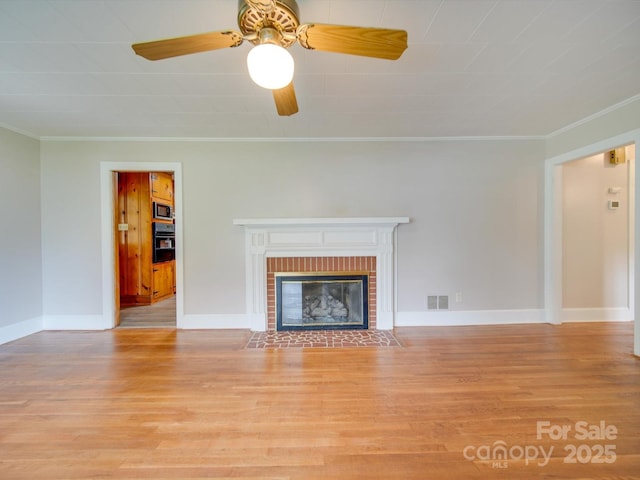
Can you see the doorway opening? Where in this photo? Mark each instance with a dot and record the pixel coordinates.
(574, 234)
(145, 233)
(597, 221)
(142, 236)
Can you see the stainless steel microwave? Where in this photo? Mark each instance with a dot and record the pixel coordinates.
(162, 211)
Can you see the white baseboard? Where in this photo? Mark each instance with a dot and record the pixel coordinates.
(597, 315)
(18, 330)
(384, 321)
(446, 318)
(76, 322)
(217, 321)
(14, 331)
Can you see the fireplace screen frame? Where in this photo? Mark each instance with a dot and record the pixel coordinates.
(303, 284)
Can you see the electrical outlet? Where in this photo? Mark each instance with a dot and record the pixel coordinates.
(458, 297)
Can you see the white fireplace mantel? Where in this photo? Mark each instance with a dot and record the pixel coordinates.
(276, 222)
(320, 237)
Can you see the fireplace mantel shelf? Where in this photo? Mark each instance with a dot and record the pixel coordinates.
(274, 222)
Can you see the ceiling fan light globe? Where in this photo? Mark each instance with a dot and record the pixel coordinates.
(270, 66)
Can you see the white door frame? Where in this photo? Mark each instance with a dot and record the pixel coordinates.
(553, 229)
(107, 203)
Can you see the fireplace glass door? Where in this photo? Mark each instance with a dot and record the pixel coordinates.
(315, 302)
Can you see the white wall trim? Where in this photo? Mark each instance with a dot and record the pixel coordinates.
(465, 138)
(553, 243)
(594, 116)
(215, 321)
(578, 315)
(76, 322)
(108, 243)
(447, 318)
(631, 199)
(14, 331)
(275, 223)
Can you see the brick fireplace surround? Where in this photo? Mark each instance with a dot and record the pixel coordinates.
(319, 265)
(317, 245)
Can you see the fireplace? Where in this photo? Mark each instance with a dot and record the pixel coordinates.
(320, 268)
(322, 302)
(320, 247)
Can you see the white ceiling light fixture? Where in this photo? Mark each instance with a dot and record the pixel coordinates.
(270, 66)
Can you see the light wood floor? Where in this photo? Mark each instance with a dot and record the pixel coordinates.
(161, 314)
(175, 404)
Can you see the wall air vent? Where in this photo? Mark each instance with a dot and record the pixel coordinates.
(443, 302)
(438, 302)
(432, 302)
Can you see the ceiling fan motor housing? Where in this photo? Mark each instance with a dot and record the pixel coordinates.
(281, 15)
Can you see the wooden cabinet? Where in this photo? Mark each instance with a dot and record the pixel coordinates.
(163, 280)
(162, 186)
(142, 282)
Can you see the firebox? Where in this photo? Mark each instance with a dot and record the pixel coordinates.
(322, 301)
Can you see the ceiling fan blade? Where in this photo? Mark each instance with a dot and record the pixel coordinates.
(286, 102)
(174, 47)
(365, 41)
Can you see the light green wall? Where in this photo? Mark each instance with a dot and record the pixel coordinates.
(475, 208)
(20, 248)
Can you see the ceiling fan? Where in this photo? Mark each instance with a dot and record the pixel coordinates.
(273, 26)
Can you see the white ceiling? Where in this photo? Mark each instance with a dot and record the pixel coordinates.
(472, 68)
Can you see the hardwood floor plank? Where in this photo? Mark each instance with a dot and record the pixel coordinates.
(180, 404)
(161, 314)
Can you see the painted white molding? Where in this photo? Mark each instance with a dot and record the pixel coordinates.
(451, 318)
(14, 331)
(553, 229)
(214, 322)
(319, 237)
(553, 243)
(76, 322)
(277, 222)
(108, 243)
(578, 315)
